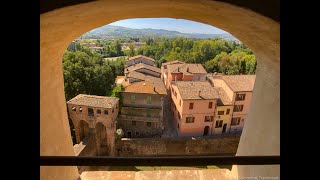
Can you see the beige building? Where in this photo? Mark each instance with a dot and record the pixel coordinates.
(193, 107)
(224, 109)
(142, 109)
(95, 115)
(140, 59)
(239, 89)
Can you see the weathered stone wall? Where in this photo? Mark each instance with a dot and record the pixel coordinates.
(178, 146)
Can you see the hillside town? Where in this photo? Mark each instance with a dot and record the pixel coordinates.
(177, 100)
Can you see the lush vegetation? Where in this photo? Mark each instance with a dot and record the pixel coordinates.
(217, 55)
(86, 72)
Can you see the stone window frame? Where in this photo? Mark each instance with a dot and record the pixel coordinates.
(210, 105)
(98, 111)
(90, 114)
(235, 121)
(74, 109)
(80, 109)
(133, 123)
(191, 105)
(228, 111)
(149, 123)
(190, 121)
(104, 112)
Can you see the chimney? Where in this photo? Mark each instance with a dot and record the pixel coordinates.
(188, 69)
(199, 93)
(154, 88)
(178, 69)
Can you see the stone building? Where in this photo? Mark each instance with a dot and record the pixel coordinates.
(193, 106)
(142, 109)
(145, 69)
(238, 89)
(95, 115)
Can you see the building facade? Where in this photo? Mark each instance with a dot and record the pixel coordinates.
(178, 71)
(142, 109)
(238, 89)
(95, 115)
(193, 106)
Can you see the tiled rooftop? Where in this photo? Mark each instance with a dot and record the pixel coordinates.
(173, 62)
(223, 96)
(142, 66)
(138, 75)
(147, 86)
(94, 101)
(186, 68)
(190, 90)
(141, 56)
(238, 82)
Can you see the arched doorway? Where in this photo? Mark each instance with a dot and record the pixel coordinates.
(206, 131)
(101, 139)
(224, 128)
(83, 130)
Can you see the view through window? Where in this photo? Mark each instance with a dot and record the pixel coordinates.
(172, 79)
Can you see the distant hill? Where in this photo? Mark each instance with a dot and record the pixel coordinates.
(109, 32)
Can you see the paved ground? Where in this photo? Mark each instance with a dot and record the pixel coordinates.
(169, 129)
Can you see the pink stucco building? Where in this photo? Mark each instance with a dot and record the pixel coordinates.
(180, 71)
(193, 106)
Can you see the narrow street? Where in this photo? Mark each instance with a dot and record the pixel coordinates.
(169, 129)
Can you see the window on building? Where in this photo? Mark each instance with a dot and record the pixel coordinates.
(134, 123)
(238, 108)
(98, 111)
(137, 133)
(112, 110)
(191, 106)
(190, 120)
(208, 118)
(210, 105)
(179, 116)
(235, 121)
(240, 97)
(80, 109)
(74, 109)
(117, 106)
(133, 98)
(180, 102)
(149, 124)
(228, 111)
(148, 113)
(219, 123)
(90, 112)
(106, 112)
(220, 112)
(148, 100)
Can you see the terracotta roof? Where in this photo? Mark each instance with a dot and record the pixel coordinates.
(141, 56)
(223, 96)
(173, 62)
(142, 66)
(190, 90)
(186, 68)
(94, 101)
(239, 82)
(138, 75)
(147, 87)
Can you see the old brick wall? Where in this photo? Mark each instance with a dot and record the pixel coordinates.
(225, 144)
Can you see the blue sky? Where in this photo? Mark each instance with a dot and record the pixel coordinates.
(181, 25)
